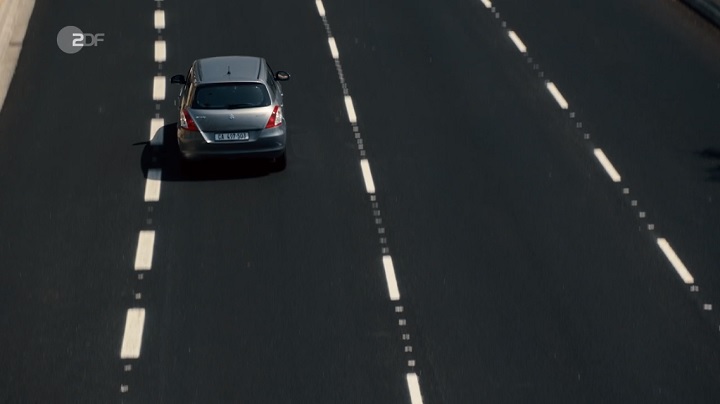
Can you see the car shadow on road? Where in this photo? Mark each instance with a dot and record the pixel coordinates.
(714, 156)
(162, 153)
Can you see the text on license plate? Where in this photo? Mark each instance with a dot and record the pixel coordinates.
(232, 136)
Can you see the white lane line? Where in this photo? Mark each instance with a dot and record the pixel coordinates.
(160, 51)
(159, 88)
(144, 253)
(350, 109)
(487, 3)
(390, 278)
(675, 261)
(414, 387)
(159, 19)
(517, 41)
(607, 165)
(333, 48)
(320, 7)
(132, 339)
(152, 185)
(156, 131)
(367, 176)
(556, 94)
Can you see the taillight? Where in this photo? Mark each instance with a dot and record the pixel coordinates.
(186, 121)
(276, 118)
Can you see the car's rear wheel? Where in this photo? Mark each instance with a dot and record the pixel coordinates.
(187, 166)
(279, 163)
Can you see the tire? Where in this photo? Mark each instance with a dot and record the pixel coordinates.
(186, 165)
(279, 163)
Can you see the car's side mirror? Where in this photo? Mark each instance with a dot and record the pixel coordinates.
(282, 76)
(177, 79)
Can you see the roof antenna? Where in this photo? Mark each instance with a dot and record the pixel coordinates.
(228, 73)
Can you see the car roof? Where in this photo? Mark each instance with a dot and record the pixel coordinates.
(240, 68)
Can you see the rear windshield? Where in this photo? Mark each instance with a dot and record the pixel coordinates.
(231, 96)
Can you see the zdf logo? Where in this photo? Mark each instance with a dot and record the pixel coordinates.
(71, 39)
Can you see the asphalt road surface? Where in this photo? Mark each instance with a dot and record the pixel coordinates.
(513, 202)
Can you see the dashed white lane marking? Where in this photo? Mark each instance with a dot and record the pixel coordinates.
(156, 132)
(367, 176)
(320, 7)
(670, 254)
(414, 388)
(556, 94)
(160, 51)
(350, 109)
(152, 185)
(159, 19)
(159, 88)
(144, 253)
(333, 48)
(390, 278)
(517, 41)
(675, 261)
(412, 379)
(132, 339)
(607, 165)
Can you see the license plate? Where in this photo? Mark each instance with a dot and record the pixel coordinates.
(232, 136)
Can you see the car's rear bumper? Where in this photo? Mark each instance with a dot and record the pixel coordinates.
(271, 144)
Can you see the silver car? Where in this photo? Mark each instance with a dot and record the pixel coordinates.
(231, 106)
